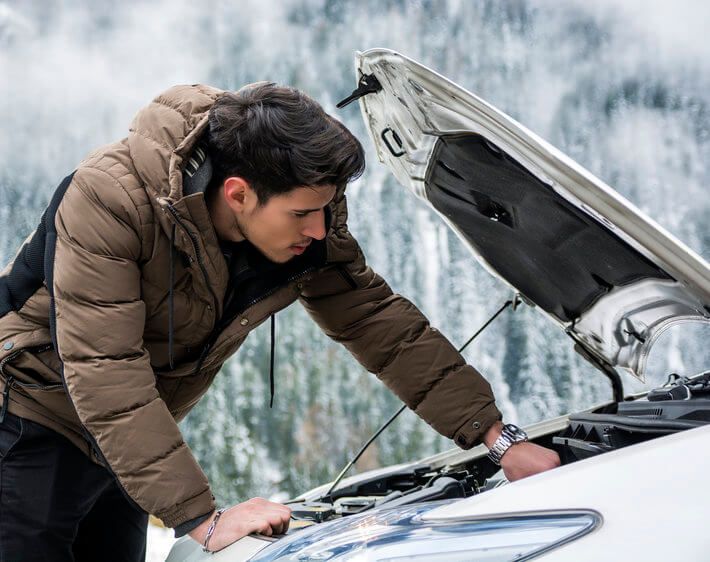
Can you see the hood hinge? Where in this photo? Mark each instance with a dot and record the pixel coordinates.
(367, 84)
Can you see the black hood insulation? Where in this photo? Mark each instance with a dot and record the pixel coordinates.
(555, 254)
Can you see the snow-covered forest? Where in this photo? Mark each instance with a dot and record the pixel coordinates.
(623, 88)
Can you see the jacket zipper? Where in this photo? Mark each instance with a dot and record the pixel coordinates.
(271, 292)
(223, 325)
(196, 247)
(10, 380)
(219, 328)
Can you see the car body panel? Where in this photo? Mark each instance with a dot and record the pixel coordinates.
(188, 550)
(623, 306)
(635, 491)
(638, 498)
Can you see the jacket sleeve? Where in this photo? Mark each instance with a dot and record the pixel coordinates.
(99, 318)
(391, 338)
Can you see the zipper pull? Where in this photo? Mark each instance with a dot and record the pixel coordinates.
(5, 398)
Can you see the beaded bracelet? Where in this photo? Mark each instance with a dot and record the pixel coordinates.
(211, 528)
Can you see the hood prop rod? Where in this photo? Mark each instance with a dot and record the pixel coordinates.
(327, 496)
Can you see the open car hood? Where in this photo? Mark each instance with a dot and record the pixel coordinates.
(612, 278)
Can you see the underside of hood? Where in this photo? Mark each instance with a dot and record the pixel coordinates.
(611, 277)
(557, 257)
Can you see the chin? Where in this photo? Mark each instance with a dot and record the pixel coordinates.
(281, 257)
(275, 255)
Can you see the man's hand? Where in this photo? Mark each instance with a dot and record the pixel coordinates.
(256, 515)
(522, 459)
(526, 459)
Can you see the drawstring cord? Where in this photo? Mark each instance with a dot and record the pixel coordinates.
(171, 311)
(171, 294)
(271, 367)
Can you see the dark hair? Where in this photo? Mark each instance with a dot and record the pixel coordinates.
(278, 138)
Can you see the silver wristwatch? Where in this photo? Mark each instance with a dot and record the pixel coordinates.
(510, 435)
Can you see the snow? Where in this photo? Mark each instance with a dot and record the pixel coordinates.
(160, 541)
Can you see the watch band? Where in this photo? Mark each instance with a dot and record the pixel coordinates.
(509, 436)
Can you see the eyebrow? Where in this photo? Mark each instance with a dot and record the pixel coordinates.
(315, 209)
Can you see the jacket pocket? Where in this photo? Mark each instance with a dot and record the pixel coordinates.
(33, 369)
(23, 371)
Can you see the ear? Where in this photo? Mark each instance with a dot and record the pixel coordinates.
(238, 193)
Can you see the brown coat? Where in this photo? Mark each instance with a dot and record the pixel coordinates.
(84, 319)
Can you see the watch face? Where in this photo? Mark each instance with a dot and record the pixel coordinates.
(510, 435)
(516, 433)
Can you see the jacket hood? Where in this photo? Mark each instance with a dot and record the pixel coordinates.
(162, 139)
(165, 132)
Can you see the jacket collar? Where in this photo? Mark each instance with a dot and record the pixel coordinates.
(164, 143)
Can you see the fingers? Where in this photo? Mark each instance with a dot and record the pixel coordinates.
(553, 460)
(264, 529)
(526, 459)
(265, 517)
(256, 515)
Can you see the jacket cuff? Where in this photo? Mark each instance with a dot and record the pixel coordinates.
(188, 510)
(471, 433)
(184, 528)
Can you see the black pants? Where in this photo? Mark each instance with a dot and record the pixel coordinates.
(56, 505)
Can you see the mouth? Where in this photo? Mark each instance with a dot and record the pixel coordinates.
(298, 249)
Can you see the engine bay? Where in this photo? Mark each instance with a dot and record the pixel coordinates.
(682, 403)
(664, 411)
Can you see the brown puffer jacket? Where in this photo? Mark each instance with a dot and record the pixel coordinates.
(86, 322)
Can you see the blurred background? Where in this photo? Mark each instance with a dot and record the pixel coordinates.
(623, 88)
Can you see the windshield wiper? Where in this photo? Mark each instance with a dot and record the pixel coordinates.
(327, 497)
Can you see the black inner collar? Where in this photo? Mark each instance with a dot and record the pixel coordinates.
(252, 276)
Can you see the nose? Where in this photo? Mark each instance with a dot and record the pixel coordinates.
(314, 226)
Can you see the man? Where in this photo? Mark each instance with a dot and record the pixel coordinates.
(150, 266)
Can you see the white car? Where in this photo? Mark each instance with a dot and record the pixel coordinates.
(632, 484)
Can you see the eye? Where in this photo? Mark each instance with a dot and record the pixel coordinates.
(297, 214)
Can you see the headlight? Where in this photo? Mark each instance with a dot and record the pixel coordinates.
(399, 534)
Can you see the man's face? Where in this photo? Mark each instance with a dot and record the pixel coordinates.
(286, 224)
